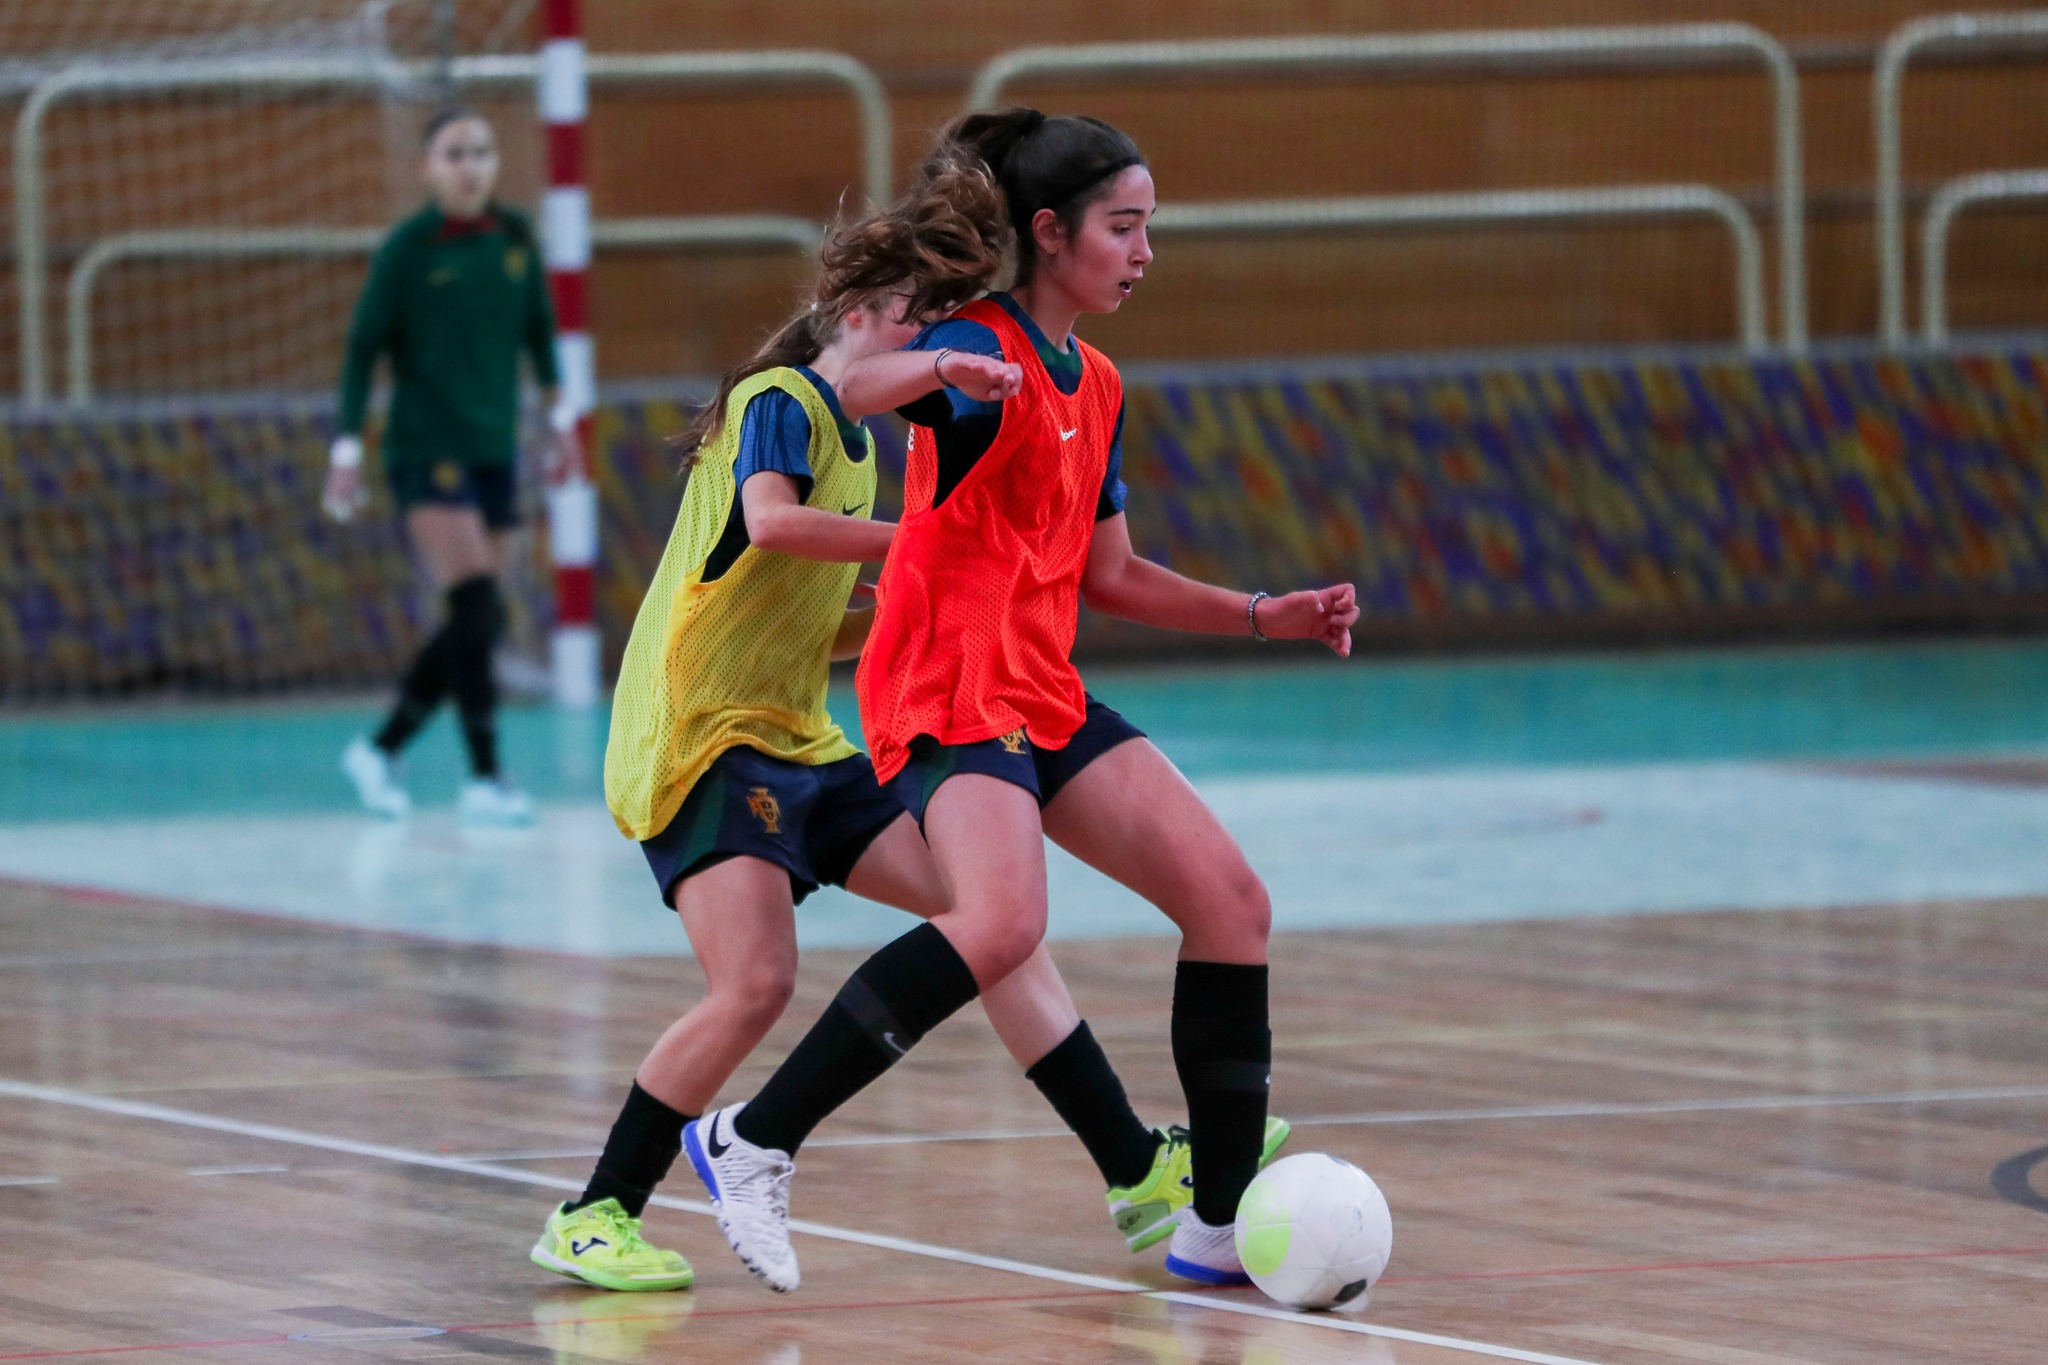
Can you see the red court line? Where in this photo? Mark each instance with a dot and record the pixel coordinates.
(1717, 1265)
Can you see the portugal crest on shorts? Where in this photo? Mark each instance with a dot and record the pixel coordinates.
(1013, 742)
(448, 476)
(763, 806)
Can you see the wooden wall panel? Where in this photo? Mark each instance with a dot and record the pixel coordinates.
(795, 152)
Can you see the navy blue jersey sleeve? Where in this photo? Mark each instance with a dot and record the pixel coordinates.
(775, 438)
(1111, 500)
(943, 406)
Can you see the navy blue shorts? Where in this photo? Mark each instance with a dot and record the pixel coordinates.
(1013, 758)
(814, 821)
(491, 489)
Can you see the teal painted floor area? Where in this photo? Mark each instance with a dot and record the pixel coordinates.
(1366, 792)
(1302, 715)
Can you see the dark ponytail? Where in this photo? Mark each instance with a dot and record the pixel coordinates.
(1063, 163)
(795, 342)
(937, 247)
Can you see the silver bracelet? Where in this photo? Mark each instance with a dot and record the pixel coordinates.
(1251, 615)
(939, 360)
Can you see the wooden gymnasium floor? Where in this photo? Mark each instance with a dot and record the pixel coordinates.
(1726, 1138)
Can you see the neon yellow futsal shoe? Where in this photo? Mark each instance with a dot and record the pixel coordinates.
(602, 1245)
(1145, 1213)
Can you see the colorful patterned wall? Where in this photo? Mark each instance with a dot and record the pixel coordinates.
(1696, 492)
(184, 548)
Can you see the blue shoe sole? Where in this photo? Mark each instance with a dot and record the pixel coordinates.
(695, 1150)
(1202, 1274)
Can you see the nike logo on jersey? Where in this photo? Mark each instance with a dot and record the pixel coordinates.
(713, 1145)
(890, 1039)
(1069, 435)
(578, 1248)
(852, 511)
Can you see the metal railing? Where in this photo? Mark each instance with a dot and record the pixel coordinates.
(1948, 201)
(1510, 206)
(288, 75)
(304, 243)
(1528, 50)
(1955, 32)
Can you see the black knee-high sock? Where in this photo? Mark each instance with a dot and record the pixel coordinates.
(419, 692)
(1083, 1089)
(456, 659)
(1223, 1050)
(476, 616)
(643, 1144)
(903, 992)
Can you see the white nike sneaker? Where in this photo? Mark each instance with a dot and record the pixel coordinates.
(1204, 1254)
(493, 801)
(375, 774)
(750, 1186)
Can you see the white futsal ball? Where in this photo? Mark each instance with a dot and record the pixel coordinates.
(1314, 1232)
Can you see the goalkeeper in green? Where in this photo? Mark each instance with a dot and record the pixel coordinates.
(456, 292)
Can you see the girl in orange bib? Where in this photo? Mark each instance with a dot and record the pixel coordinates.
(1013, 516)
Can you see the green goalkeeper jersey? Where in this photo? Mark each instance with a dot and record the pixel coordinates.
(452, 302)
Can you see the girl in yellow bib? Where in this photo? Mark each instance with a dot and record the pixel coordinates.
(725, 764)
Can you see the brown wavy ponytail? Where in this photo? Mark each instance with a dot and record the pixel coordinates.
(937, 247)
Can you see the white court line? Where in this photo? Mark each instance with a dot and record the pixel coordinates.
(562, 1155)
(238, 1170)
(269, 1132)
(12, 1181)
(1728, 1104)
(1260, 1310)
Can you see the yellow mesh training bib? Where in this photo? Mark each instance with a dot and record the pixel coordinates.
(742, 659)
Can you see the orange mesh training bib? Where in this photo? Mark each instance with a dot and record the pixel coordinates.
(980, 596)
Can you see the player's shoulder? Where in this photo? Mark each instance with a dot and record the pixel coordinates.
(1100, 367)
(958, 333)
(417, 226)
(410, 242)
(777, 387)
(776, 402)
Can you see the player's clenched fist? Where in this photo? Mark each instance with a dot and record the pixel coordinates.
(1323, 614)
(983, 378)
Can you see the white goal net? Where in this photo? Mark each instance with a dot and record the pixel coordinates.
(185, 172)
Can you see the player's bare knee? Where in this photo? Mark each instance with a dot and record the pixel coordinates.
(996, 946)
(756, 998)
(1017, 943)
(1234, 918)
(1252, 906)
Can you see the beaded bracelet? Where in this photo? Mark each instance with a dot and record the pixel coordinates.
(1251, 615)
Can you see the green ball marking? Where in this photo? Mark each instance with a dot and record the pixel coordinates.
(1268, 1229)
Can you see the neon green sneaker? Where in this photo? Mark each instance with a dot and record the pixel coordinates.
(602, 1245)
(1145, 1213)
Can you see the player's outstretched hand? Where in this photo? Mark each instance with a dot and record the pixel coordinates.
(561, 456)
(1323, 614)
(983, 378)
(344, 495)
